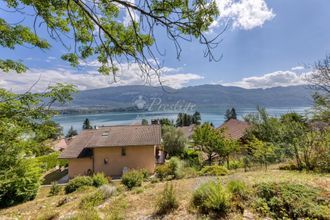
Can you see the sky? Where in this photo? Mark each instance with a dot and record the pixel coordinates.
(268, 43)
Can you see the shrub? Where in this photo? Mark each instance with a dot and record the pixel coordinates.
(287, 200)
(163, 171)
(108, 191)
(172, 169)
(189, 172)
(192, 158)
(78, 182)
(132, 179)
(116, 209)
(238, 189)
(145, 173)
(289, 166)
(211, 198)
(20, 183)
(214, 170)
(235, 164)
(99, 179)
(55, 189)
(167, 201)
(92, 200)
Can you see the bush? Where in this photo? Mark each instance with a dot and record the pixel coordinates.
(145, 173)
(20, 183)
(211, 198)
(192, 158)
(99, 179)
(78, 182)
(214, 170)
(172, 169)
(163, 171)
(55, 189)
(92, 200)
(167, 201)
(235, 164)
(287, 200)
(189, 172)
(132, 179)
(238, 189)
(116, 209)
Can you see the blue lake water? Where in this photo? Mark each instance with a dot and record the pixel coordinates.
(126, 118)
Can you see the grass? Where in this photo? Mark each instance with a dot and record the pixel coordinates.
(141, 203)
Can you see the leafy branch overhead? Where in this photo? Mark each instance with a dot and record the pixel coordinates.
(93, 28)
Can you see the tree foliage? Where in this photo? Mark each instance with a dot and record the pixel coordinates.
(319, 80)
(230, 114)
(71, 132)
(25, 126)
(96, 29)
(185, 119)
(213, 143)
(86, 124)
(174, 140)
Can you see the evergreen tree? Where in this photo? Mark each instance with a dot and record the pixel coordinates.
(196, 118)
(72, 132)
(230, 114)
(87, 125)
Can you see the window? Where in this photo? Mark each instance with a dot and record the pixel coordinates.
(123, 151)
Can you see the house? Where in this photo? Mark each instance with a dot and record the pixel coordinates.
(114, 149)
(235, 129)
(62, 144)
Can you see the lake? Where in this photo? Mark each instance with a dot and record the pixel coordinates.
(126, 118)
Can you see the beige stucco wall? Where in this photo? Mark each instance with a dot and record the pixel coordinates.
(137, 157)
(80, 166)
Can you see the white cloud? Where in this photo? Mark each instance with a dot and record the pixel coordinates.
(91, 79)
(130, 15)
(278, 78)
(297, 68)
(243, 14)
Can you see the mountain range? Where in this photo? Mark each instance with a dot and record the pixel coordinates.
(131, 98)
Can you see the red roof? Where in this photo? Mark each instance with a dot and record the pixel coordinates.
(234, 128)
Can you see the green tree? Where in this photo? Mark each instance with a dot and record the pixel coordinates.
(208, 139)
(97, 29)
(144, 122)
(24, 124)
(166, 121)
(173, 140)
(87, 125)
(230, 114)
(262, 152)
(196, 118)
(71, 132)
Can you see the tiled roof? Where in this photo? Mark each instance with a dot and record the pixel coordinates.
(234, 128)
(113, 136)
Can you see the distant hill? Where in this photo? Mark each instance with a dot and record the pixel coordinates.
(203, 96)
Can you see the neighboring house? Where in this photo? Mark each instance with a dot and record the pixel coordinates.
(114, 149)
(187, 131)
(235, 129)
(61, 145)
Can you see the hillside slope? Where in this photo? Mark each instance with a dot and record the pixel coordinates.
(203, 96)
